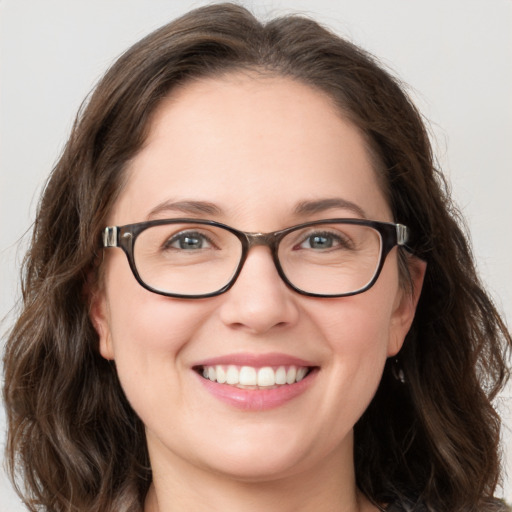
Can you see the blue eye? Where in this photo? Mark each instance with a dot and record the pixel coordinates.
(188, 241)
(323, 240)
(319, 242)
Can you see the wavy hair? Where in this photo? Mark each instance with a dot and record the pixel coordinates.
(75, 444)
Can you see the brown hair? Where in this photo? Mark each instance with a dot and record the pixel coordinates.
(74, 440)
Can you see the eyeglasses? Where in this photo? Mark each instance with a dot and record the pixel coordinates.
(191, 258)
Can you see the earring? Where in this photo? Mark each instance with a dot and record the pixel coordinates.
(397, 371)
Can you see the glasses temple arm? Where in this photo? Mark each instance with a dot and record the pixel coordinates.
(109, 236)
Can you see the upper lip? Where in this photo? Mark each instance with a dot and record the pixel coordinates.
(255, 360)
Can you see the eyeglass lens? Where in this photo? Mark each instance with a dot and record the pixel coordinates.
(197, 259)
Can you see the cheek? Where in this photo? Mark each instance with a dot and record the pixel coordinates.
(148, 331)
(358, 343)
(154, 330)
(356, 331)
(354, 334)
(357, 325)
(150, 336)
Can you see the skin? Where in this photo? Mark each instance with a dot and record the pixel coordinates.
(255, 147)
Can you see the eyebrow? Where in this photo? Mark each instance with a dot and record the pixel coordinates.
(303, 208)
(188, 207)
(320, 205)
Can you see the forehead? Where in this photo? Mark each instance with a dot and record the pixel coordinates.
(245, 142)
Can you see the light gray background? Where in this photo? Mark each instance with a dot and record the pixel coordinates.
(455, 54)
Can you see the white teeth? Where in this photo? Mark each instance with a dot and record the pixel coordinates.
(264, 377)
(221, 374)
(281, 375)
(247, 376)
(291, 374)
(232, 375)
(301, 373)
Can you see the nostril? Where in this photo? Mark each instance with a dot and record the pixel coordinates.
(237, 325)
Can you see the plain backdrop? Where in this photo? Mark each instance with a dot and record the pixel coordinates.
(455, 55)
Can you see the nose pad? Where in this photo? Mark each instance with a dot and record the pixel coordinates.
(259, 300)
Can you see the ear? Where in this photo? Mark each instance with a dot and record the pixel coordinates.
(99, 314)
(405, 304)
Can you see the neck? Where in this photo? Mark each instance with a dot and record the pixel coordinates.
(327, 487)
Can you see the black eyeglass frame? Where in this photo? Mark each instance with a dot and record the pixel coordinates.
(125, 236)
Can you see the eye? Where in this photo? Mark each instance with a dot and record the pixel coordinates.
(188, 241)
(323, 240)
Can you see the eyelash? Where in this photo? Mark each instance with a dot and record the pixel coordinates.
(182, 234)
(339, 240)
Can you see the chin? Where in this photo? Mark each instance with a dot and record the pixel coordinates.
(265, 468)
(266, 453)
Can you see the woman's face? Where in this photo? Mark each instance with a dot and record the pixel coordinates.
(247, 151)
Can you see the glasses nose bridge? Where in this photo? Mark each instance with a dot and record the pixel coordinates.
(266, 239)
(270, 240)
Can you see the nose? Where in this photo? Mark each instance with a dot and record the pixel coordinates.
(259, 300)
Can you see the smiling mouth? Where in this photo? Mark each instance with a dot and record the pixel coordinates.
(249, 377)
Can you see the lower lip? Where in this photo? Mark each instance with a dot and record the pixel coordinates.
(257, 399)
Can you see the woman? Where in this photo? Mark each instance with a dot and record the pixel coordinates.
(247, 289)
